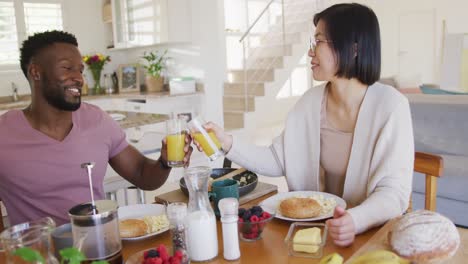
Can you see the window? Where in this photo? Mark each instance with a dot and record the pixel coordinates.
(22, 18)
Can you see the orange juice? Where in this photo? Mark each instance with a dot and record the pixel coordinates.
(204, 143)
(175, 149)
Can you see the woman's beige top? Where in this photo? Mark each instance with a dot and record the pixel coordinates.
(335, 148)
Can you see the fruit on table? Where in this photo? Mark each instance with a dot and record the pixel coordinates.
(380, 257)
(251, 221)
(159, 255)
(307, 240)
(333, 258)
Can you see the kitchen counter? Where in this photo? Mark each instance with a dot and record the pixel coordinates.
(7, 104)
(133, 119)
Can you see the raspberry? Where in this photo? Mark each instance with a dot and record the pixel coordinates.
(254, 229)
(266, 215)
(163, 255)
(162, 248)
(241, 220)
(254, 219)
(178, 254)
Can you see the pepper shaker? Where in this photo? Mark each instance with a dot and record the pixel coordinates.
(228, 208)
(176, 213)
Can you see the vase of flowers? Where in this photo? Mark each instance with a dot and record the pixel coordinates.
(95, 64)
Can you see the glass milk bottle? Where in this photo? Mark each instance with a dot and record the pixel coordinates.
(202, 240)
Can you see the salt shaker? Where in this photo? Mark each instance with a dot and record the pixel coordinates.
(228, 208)
(176, 213)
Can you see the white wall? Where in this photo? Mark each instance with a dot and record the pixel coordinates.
(388, 12)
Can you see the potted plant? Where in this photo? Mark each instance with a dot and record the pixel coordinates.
(154, 64)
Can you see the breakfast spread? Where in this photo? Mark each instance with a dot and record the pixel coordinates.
(296, 207)
(307, 240)
(424, 235)
(139, 227)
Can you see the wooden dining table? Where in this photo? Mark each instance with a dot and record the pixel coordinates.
(271, 248)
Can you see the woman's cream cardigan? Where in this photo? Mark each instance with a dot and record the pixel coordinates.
(379, 174)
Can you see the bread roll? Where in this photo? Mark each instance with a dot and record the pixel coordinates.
(300, 208)
(132, 228)
(424, 237)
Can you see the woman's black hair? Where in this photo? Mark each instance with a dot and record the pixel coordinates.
(354, 32)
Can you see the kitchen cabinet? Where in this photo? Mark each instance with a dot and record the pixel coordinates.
(150, 22)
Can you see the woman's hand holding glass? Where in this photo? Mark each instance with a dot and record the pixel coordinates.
(224, 139)
(206, 139)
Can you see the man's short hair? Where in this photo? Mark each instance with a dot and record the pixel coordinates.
(35, 43)
(353, 28)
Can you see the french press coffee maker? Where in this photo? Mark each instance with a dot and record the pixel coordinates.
(95, 227)
(96, 231)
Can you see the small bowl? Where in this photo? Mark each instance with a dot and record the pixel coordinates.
(252, 231)
(296, 226)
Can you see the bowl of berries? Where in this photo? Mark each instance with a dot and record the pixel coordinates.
(157, 255)
(252, 222)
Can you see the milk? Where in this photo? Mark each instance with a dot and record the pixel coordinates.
(201, 235)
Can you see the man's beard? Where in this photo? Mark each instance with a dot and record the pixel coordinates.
(55, 96)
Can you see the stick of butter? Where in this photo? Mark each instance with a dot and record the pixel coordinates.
(307, 240)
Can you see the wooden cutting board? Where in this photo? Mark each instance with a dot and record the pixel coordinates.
(379, 241)
(178, 196)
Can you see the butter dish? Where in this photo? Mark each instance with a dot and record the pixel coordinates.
(306, 239)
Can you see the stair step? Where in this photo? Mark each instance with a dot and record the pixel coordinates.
(256, 75)
(293, 27)
(257, 89)
(271, 51)
(238, 103)
(233, 120)
(277, 39)
(265, 63)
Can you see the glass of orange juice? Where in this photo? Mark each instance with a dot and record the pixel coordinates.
(207, 139)
(175, 139)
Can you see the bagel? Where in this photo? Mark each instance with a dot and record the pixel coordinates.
(300, 208)
(132, 228)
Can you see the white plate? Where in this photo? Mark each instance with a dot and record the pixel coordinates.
(271, 204)
(117, 117)
(138, 211)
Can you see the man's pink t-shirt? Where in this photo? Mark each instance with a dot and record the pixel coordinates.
(40, 176)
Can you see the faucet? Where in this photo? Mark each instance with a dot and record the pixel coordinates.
(15, 92)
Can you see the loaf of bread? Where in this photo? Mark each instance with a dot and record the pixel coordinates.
(300, 208)
(132, 228)
(424, 237)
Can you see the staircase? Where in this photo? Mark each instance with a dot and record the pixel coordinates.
(250, 93)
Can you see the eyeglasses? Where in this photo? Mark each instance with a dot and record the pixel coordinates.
(315, 42)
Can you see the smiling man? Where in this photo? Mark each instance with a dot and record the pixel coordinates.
(43, 146)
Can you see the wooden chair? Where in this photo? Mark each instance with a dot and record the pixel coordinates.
(432, 166)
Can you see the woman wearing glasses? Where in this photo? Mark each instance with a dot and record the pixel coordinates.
(351, 137)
